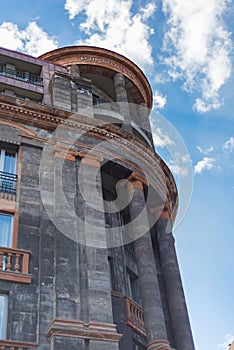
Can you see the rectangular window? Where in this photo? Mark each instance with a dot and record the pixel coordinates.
(138, 347)
(8, 178)
(3, 315)
(110, 271)
(132, 284)
(6, 229)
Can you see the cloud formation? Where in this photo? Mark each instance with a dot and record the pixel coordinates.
(159, 100)
(205, 164)
(161, 138)
(205, 151)
(198, 48)
(180, 165)
(32, 40)
(228, 146)
(112, 24)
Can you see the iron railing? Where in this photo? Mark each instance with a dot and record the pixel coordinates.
(21, 75)
(8, 182)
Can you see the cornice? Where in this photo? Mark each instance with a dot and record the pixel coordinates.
(96, 56)
(50, 118)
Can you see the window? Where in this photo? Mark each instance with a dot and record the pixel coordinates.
(110, 271)
(3, 315)
(138, 347)
(8, 176)
(132, 285)
(6, 228)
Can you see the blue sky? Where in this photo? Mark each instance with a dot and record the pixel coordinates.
(185, 48)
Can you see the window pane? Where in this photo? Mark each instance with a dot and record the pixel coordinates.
(3, 315)
(6, 222)
(9, 162)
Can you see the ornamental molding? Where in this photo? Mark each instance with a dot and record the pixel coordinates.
(50, 119)
(79, 329)
(99, 57)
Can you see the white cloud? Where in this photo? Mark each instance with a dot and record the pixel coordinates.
(112, 24)
(32, 40)
(199, 48)
(161, 138)
(228, 146)
(205, 151)
(180, 165)
(205, 164)
(159, 100)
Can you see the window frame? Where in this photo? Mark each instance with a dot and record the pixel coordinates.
(132, 286)
(3, 327)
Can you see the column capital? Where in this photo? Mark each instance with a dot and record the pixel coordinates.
(65, 153)
(89, 158)
(159, 344)
(161, 212)
(137, 181)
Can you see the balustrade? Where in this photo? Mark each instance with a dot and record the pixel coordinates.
(135, 315)
(16, 345)
(14, 264)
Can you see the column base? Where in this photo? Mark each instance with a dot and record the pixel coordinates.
(159, 345)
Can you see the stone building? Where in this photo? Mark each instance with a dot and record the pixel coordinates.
(87, 257)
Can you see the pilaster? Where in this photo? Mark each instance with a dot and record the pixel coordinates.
(95, 281)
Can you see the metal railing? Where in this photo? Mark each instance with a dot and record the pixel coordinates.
(8, 182)
(21, 75)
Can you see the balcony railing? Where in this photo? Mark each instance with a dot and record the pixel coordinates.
(16, 345)
(135, 315)
(14, 264)
(8, 182)
(21, 75)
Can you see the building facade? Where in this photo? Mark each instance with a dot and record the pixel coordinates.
(87, 256)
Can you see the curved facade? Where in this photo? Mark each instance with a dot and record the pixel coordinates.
(87, 259)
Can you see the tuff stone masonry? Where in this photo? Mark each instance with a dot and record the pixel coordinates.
(87, 256)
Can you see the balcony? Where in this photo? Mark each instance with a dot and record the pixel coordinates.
(135, 315)
(14, 264)
(21, 75)
(16, 345)
(8, 182)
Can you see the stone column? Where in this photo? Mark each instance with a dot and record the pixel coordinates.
(74, 70)
(148, 281)
(174, 289)
(144, 112)
(122, 100)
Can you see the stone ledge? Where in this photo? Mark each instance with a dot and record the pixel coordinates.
(78, 329)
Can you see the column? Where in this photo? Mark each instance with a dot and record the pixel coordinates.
(174, 289)
(144, 124)
(122, 100)
(74, 70)
(148, 281)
